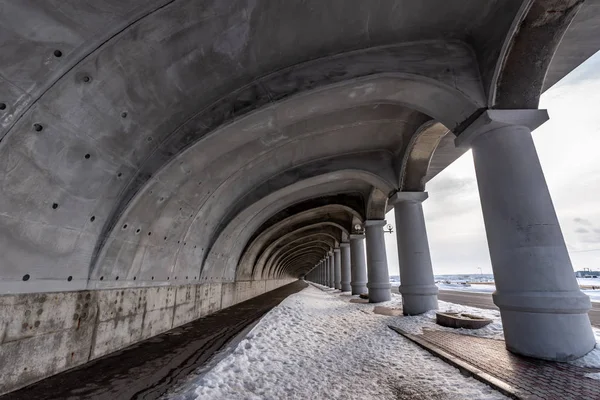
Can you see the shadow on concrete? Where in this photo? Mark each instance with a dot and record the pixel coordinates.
(147, 370)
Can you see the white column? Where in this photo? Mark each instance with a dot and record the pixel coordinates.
(417, 285)
(327, 270)
(321, 277)
(377, 268)
(345, 253)
(337, 268)
(543, 311)
(357, 264)
(331, 270)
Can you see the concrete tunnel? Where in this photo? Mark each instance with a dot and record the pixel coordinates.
(161, 160)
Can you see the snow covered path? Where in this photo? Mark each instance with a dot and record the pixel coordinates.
(316, 346)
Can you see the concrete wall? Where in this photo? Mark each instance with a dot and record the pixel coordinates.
(42, 334)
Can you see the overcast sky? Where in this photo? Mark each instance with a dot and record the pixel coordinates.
(569, 149)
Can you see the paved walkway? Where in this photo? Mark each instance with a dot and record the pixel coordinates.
(521, 377)
(147, 370)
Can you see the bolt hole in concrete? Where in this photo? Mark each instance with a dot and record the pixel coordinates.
(137, 230)
(119, 175)
(123, 114)
(57, 53)
(125, 226)
(117, 278)
(101, 278)
(54, 206)
(87, 156)
(38, 127)
(86, 79)
(26, 277)
(70, 278)
(2, 106)
(93, 218)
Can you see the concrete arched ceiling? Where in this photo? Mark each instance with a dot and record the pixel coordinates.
(145, 141)
(227, 250)
(300, 225)
(330, 233)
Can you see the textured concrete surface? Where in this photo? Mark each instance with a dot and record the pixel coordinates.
(47, 333)
(377, 267)
(185, 143)
(150, 368)
(419, 292)
(544, 318)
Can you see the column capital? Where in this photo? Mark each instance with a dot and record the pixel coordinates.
(336, 250)
(408, 197)
(357, 236)
(375, 222)
(344, 244)
(494, 119)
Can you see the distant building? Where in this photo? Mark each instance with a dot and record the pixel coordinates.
(587, 273)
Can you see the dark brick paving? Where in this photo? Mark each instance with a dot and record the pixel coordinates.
(535, 378)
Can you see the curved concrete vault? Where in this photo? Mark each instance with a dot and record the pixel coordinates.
(221, 149)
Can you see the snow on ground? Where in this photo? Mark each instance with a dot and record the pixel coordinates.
(591, 359)
(594, 294)
(594, 375)
(589, 281)
(315, 346)
(415, 325)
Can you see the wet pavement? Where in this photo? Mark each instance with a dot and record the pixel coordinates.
(149, 369)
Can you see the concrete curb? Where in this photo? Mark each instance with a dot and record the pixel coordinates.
(464, 367)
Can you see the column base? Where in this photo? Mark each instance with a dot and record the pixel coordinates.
(553, 337)
(359, 288)
(547, 325)
(418, 299)
(379, 292)
(346, 287)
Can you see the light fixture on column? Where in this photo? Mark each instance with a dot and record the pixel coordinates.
(389, 228)
(358, 228)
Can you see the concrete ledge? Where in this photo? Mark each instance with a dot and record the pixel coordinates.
(464, 367)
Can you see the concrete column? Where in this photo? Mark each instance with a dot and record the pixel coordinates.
(418, 289)
(321, 272)
(358, 269)
(345, 253)
(337, 267)
(377, 268)
(327, 270)
(543, 311)
(331, 270)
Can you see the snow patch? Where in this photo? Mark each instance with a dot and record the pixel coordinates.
(595, 375)
(591, 359)
(314, 346)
